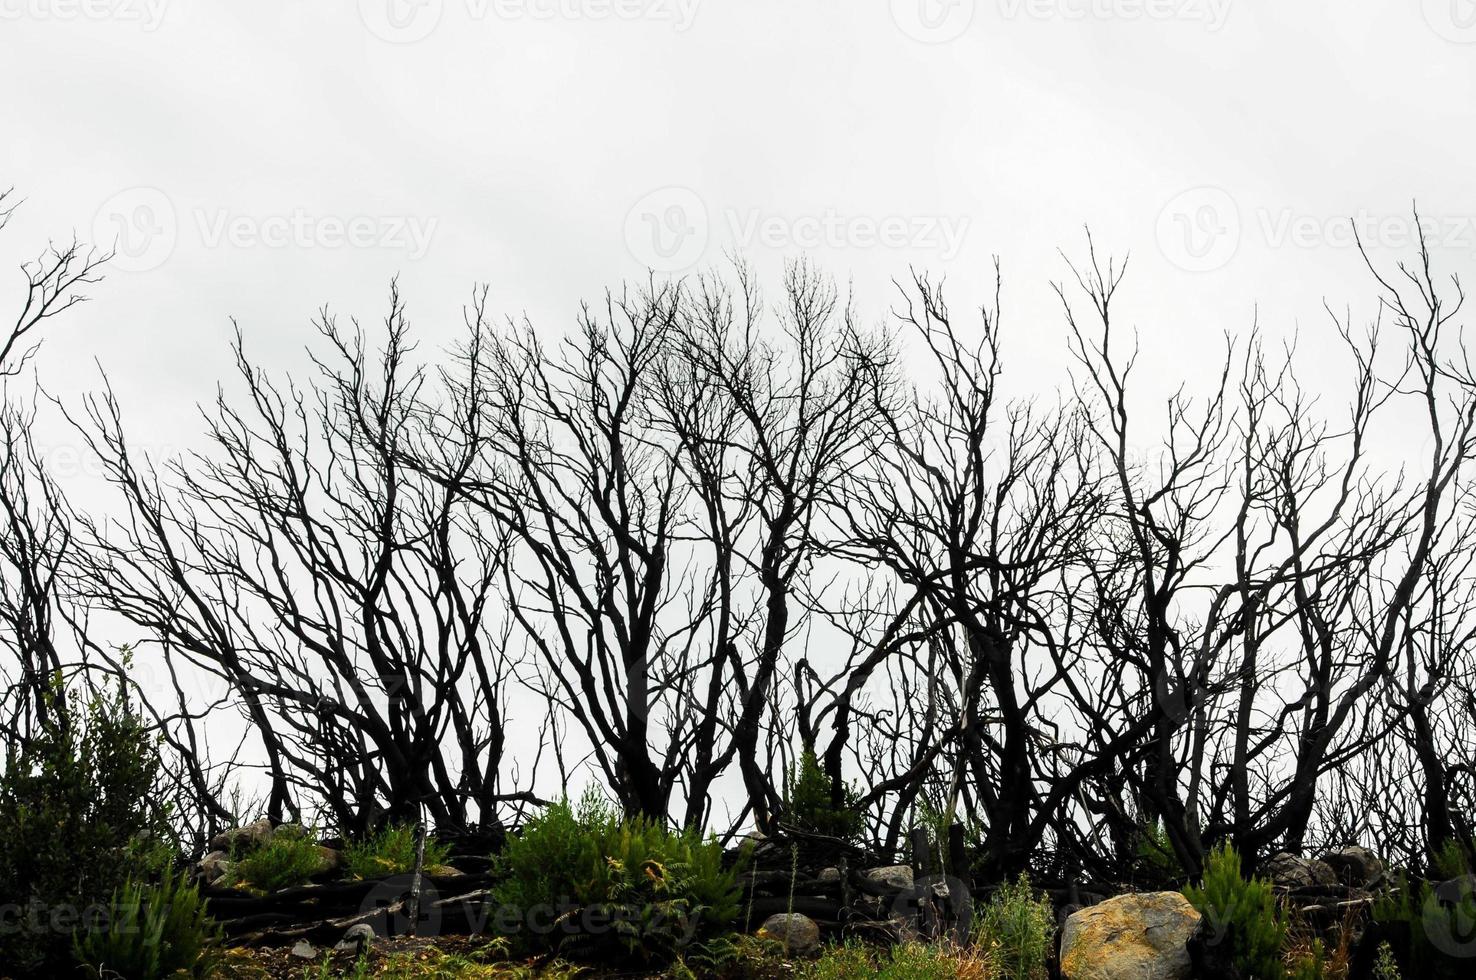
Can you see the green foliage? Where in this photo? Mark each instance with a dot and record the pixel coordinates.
(1242, 914)
(391, 851)
(651, 888)
(905, 961)
(808, 805)
(1310, 966)
(152, 932)
(282, 861)
(1155, 853)
(77, 819)
(1386, 967)
(1452, 861)
(1016, 928)
(1439, 925)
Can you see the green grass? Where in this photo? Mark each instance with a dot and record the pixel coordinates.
(1016, 928)
(391, 851)
(284, 861)
(905, 961)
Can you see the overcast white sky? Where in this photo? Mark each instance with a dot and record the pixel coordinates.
(257, 160)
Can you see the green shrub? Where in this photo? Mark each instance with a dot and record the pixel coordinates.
(1242, 915)
(904, 961)
(77, 819)
(1438, 926)
(650, 888)
(1452, 861)
(1155, 853)
(1385, 966)
(1016, 929)
(281, 861)
(1311, 965)
(808, 806)
(152, 932)
(391, 851)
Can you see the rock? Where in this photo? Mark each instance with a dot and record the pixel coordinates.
(898, 876)
(828, 876)
(797, 932)
(214, 865)
(242, 838)
(1130, 937)
(289, 831)
(332, 858)
(1356, 866)
(1291, 871)
(358, 939)
(304, 950)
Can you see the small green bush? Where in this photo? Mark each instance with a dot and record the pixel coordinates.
(1438, 927)
(1016, 929)
(1452, 861)
(77, 820)
(391, 851)
(904, 961)
(808, 806)
(282, 861)
(650, 888)
(1242, 914)
(1155, 853)
(152, 932)
(1385, 966)
(1311, 965)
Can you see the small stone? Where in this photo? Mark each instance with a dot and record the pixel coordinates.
(897, 876)
(358, 939)
(213, 866)
(828, 876)
(304, 950)
(799, 933)
(242, 838)
(289, 831)
(332, 858)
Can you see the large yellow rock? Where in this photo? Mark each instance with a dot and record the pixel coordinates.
(1131, 937)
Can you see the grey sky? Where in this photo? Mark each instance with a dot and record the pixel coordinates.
(261, 159)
